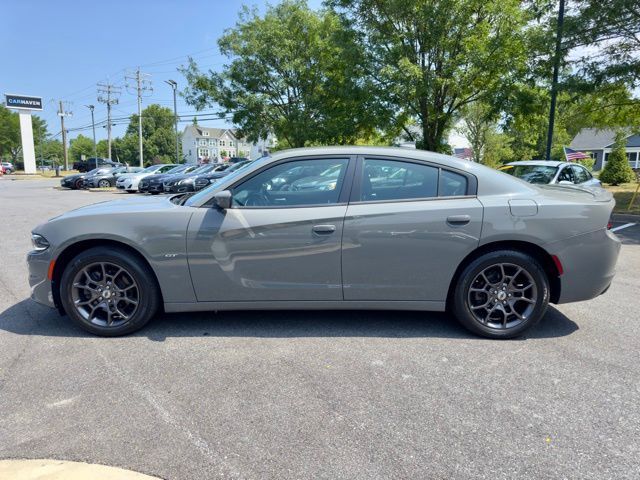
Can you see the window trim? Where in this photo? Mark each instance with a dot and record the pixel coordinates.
(343, 196)
(356, 190)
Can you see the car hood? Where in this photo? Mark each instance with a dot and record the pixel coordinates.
(126, 206)
(131, 176)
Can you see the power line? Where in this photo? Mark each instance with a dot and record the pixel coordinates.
(142, 86)
(108, 94)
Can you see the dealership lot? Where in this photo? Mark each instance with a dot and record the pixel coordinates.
(320, 394)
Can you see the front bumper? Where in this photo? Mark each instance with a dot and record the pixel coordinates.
(38, 263)
(186, 187)
(589, 263)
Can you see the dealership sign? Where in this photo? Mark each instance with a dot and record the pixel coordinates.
(23, 102)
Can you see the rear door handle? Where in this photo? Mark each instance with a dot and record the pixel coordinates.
(324, 229)
(458, 219)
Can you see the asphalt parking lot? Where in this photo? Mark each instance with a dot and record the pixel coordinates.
(317, 395)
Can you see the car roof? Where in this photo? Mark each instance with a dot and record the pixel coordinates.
(547, 163)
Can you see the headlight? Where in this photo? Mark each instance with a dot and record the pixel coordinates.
(185, 181)
(39, 242)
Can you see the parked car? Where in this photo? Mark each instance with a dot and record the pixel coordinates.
(237, 159)
(201, 180)
(129, 182)
(94, 162)
(185, 183)
(108, 179)
(154, 183)
(76, 181)
(551, 172)
(494, 254)
(7, 168)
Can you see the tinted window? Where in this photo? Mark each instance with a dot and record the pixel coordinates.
(540, 174)
(452, 184)
(289, 185)
(566, 175)
(581, 174)
(394, 180)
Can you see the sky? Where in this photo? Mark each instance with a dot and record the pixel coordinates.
(60, 50)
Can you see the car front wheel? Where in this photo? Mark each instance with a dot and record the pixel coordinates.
(109, 291)
(104, 183)
(501, 294)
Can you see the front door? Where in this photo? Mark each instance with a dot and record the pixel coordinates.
(280, 240)
(407, 228)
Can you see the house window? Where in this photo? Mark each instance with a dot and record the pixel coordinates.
(205, 134)
(212, 143)
(222, 143)
(633, 159)
(203, 152)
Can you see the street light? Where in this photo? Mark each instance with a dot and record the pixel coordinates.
(93, 125)
(174, 87)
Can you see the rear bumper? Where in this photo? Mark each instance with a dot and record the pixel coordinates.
(589, 263)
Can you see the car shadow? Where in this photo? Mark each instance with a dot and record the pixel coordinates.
(29, 318)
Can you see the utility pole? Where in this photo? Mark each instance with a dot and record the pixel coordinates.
(174, 86)
(93, 126)
(108, 94)
(554, 82)
(63, 113)
(142, 84)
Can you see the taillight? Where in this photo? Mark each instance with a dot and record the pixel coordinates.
(609, 224)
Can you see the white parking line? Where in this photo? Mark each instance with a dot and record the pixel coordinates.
(626, 225)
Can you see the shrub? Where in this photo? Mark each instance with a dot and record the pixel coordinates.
(617, 169)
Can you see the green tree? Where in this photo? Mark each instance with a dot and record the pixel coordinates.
(617, 169)
(10, 143)
(294, 72)
(158, 137)
(430, 58)
(478, 122)
(80, 146)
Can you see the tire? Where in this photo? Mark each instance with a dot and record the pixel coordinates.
(498, 280)
(115, 292)
(77, 184)
(104, 184)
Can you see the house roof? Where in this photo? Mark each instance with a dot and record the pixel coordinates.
(595, 138)
(196, 131)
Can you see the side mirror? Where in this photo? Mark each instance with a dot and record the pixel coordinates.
(223, 199)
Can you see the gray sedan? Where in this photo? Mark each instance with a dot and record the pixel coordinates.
(386, 229)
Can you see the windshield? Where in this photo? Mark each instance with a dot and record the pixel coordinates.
(204, 193)
(540, 174)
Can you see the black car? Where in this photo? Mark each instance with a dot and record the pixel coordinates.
(154, 183)
(93, 163)
(76, 181)
(202, 180)
(185, 183)
(107, 179)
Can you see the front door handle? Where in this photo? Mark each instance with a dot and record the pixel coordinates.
(458, 220)
(324, 229)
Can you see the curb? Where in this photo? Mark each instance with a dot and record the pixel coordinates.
(61, 470)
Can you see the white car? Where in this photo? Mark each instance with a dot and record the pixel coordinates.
(129, 182)
(551, 172)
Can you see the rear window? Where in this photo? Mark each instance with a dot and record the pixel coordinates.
(533, 173)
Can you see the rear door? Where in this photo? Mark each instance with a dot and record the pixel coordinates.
(408, 226)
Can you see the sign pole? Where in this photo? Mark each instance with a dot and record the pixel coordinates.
(28, 150)
(24, 104)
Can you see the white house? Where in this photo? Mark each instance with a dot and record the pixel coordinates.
(204, 144)
(599, 142)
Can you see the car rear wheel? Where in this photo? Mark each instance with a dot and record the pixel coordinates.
(501, 294)
(108, 291)
(104, 183)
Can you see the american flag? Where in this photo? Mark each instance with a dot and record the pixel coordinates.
(573, 155)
